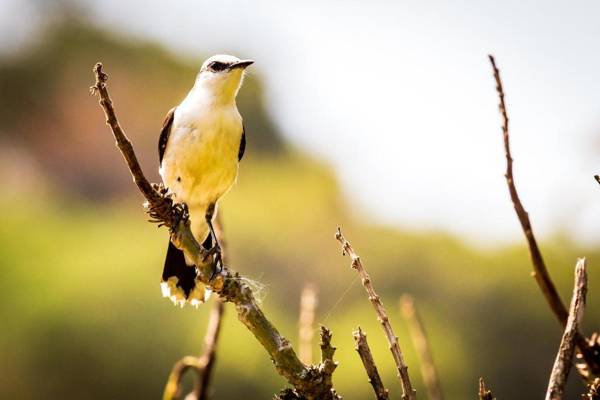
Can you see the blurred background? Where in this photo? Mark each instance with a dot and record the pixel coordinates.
(380, 117)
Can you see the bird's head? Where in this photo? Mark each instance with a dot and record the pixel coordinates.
(222, 76)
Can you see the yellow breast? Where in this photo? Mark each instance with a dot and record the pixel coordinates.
(200, 162)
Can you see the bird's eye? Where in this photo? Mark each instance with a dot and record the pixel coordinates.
(217, 66)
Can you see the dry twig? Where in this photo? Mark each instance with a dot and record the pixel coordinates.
(419, 339)
(203, 365)
(306, 321)
(326, 368)
(562, 364)
(540, 272)
(328, 365)
(209, 354)
(362, 347)
(484, 393)
(408, 392)
(312, 382)
(173, 387)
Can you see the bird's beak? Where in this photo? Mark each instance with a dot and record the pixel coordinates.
(241, 64)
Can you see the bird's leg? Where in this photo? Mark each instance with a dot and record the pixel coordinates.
(216, 249)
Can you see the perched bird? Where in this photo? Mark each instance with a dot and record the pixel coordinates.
(200, 146)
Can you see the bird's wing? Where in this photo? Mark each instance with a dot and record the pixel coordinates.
(242, 144)
(164, 134)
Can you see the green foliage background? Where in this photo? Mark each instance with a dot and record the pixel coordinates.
(81, 311)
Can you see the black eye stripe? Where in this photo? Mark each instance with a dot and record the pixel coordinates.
(217, 66)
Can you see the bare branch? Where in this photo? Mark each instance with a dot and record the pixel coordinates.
(203, 365)
(484, 393)
(407, 389)
(540, 272)
(208, 357)
(122, 141)
(306, 321)
(172, 388)
(562, 364)
(310, 381)
(328, 365)
(362, 347)
(325, 370)
(419, 339)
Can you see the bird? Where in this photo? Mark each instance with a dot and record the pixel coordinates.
(200, 146)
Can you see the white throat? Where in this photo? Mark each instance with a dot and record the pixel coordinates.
(218, 88)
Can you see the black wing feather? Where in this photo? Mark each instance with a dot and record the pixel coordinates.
(242, 145)
(164, 134)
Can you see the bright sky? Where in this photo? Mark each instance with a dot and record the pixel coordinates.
(398, 96)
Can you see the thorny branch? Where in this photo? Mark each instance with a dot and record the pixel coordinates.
(540, 272)
(408, 393)
(362, 347)
(562, 364)
(312, 382)
(419, 339)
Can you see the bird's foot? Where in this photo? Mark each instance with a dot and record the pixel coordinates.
(218, 265)
(218, 260)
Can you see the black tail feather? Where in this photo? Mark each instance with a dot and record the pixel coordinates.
(175, 265)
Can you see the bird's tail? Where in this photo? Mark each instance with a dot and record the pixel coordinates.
(179, 280)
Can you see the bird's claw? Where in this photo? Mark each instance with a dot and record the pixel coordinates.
(218, 265)
(218, 260)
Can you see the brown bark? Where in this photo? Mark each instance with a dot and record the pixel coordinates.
(564, 358)
(364, 352)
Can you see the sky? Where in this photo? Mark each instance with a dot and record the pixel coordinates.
(398, 97)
